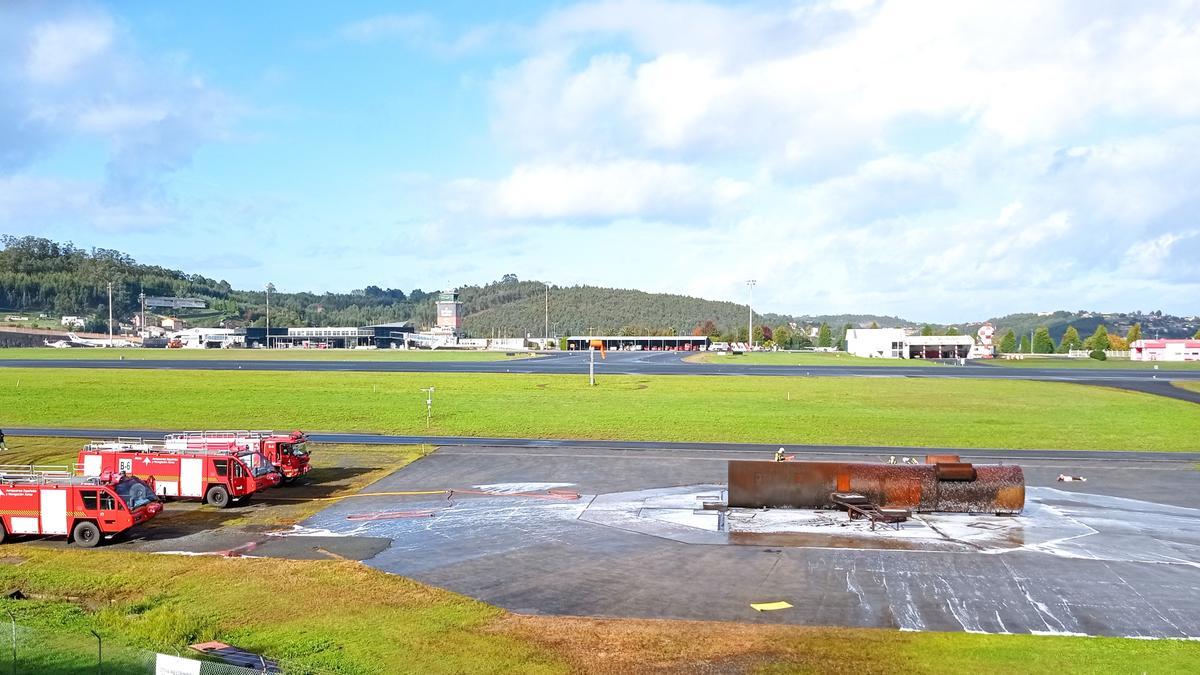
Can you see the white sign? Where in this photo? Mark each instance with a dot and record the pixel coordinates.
(165, 664)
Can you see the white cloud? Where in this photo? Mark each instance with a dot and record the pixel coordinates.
(60, 48)
(614, 189)
(83, 79)
(389, 26)
(741, 81)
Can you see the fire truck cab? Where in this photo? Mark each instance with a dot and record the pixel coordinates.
(288, 452)
(51, 501)
(218, 478)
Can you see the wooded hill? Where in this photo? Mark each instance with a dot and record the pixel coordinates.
(40, 275)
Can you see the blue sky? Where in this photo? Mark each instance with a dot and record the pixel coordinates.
(940, 161)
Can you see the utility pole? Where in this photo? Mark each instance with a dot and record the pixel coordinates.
(591, 365)
(110, 330)
(547, 334)
(142, 299)
(270, 287)
(750, 334)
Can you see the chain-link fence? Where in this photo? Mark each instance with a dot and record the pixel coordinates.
(24, 649)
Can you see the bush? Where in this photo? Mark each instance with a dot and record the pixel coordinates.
(1099, 355)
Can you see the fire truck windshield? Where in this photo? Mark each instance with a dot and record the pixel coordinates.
(259, 466)
(135, 492)
(297, 449)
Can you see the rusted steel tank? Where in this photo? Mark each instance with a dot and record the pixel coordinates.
(949, 486)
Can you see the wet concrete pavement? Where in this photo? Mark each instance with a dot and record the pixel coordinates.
(1117, 555)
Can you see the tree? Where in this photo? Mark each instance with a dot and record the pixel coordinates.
(874, 325)
(1070, 340)
(1008, 343)
(841, 345)
(783, 336)
(1042, 342)
(767, 333)
(1134, 334)
(1117, 343)
(824, 336)
(951, 330)
(1197, 335)
(1100, 339)
(927, 330)
(1024, 348)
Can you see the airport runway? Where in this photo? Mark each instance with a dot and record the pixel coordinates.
(658, 363)
(582, 447)
(1116, 555)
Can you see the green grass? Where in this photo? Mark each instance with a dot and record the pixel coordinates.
(857, 411)
(1054, 361)
(804, 359)
(1190, 386)
(343, 617)
(139, 354)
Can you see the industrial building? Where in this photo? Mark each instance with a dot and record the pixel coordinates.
(641, 342)
(1165, 350)
(894, 343)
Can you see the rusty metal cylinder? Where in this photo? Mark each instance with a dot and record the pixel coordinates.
(965, 488)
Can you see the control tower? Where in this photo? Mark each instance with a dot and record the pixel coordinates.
(449, 313)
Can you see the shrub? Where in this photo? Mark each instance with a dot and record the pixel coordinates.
(1098, 354)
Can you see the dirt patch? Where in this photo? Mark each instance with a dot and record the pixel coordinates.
(646, 646)
(11, 560)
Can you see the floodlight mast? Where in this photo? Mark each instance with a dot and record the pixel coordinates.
(750, 328)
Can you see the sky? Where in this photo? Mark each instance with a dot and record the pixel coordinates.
(940, 161)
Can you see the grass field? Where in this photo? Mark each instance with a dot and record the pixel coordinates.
(803, 359)
(138, 354)
(1190, 386)
(855, 411)
(343, 617)
(1040, 361)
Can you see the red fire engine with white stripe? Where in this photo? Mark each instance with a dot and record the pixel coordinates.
(287, 451)
(52, 501)
(220, 477)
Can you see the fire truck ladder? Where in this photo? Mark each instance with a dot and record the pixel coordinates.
(34, 474)
(139, 445)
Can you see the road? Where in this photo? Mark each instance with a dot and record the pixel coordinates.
(581, 446)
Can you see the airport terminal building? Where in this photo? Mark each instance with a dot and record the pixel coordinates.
(382, 336)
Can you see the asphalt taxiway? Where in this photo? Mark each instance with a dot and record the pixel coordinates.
(1157, 382)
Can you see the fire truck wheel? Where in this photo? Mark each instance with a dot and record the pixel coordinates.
(3, 532)
(86, 534)
(218, 496)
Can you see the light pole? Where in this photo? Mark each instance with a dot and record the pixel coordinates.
(142, 299)
(270, 287)
(750, 332)
(110, 330)
(547, 333)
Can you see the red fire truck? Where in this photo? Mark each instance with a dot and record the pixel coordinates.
(287, 451)
(52, 501)
(219, 477)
